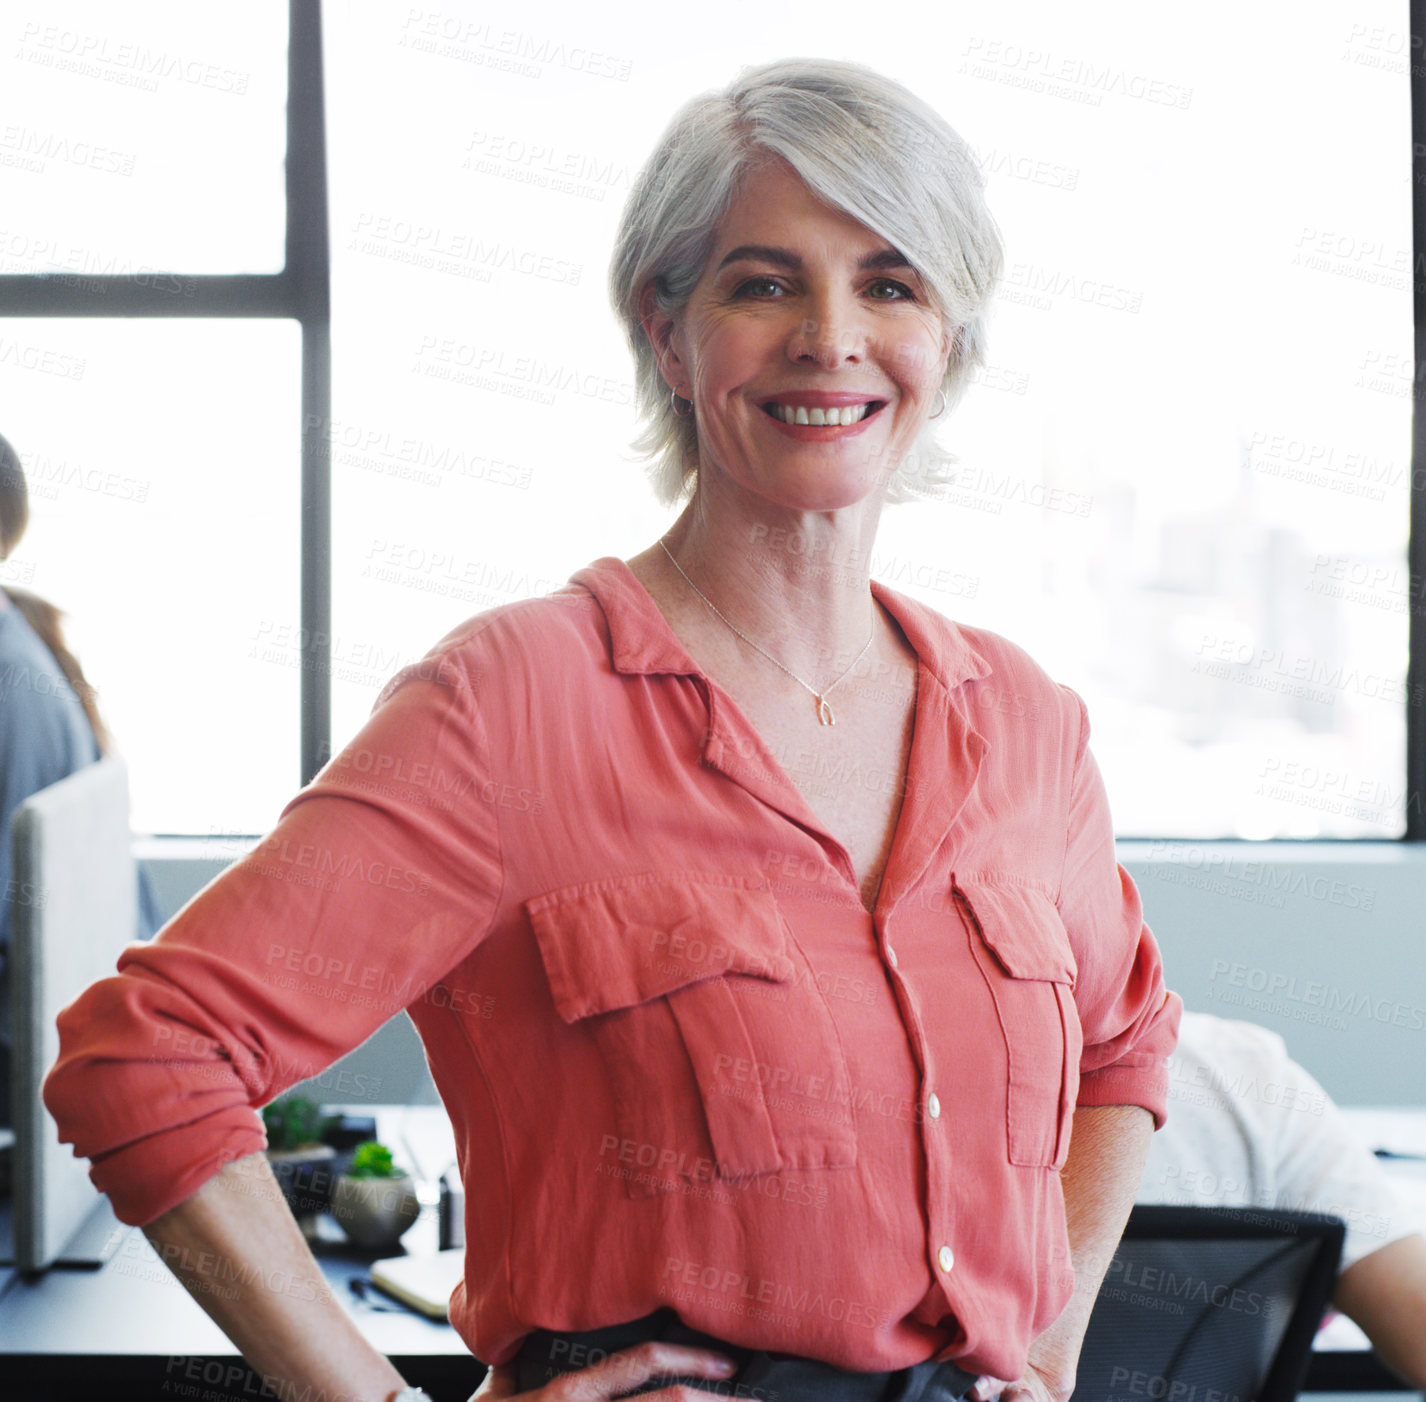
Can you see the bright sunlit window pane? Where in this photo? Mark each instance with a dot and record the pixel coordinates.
(143, 138)
(162, 462)
(1183, 480)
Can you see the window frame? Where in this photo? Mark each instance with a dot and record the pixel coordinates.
(300, 292)
(1416, 539)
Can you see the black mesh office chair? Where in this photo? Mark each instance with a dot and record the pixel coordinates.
(1206, 1304)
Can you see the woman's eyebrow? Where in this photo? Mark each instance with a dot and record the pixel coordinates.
(786, 258)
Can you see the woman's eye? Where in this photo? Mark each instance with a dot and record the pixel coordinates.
(886, 289)
(759, 287)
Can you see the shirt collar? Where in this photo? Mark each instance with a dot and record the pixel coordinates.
(641, 642)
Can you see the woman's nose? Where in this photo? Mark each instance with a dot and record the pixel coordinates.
(828, 335)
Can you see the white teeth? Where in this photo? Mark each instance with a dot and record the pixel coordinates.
(820, 418)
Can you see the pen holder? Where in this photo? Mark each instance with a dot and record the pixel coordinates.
(452, 1211)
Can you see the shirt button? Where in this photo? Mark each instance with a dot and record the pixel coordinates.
(891, 956)
(933, 1105)
(945, 1259)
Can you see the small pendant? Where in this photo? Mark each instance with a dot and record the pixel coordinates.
(824, 712)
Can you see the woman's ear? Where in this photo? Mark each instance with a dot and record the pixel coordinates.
(661, 328)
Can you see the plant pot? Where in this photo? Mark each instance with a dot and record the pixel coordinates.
(375, 1212)
(307, 1176)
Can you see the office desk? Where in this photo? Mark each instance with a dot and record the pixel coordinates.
(130, 1330)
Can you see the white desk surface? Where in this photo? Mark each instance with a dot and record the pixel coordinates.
(134, 1305)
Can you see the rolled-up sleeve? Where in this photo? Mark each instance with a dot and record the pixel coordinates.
(1129, 1019)
(379, 877)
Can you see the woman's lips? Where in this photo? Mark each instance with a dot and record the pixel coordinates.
(805, 426)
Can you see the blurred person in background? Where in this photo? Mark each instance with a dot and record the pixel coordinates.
(50, 725)
(1249, 1127)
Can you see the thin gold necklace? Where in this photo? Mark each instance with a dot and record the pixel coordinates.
(824, 710)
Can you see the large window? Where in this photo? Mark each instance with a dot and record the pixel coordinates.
(151, 377)
(1183, 481)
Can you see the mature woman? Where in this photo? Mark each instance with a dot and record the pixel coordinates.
(762, 926)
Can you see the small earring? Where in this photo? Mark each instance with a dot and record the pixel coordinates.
(940, 394)
(675, 399)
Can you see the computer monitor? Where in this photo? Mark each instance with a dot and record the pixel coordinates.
(1210, 1304)
(73, 909)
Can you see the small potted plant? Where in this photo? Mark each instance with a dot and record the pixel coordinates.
(374, 1201)
(305, 1167)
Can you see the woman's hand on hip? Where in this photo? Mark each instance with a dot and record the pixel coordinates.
(618, 1375)
(1032, 1385)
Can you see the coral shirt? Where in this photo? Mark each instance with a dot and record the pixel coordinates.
(684, 1064)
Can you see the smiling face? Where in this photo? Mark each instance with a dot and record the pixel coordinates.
(809, 347)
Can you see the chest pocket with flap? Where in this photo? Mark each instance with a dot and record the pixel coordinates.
(722, 1056)
(1023, 950)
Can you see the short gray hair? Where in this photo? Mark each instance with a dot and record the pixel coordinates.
(862, 143)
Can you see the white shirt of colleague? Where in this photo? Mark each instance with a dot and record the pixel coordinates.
(1248, 1127)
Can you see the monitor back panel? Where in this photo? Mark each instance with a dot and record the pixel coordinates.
(74, 908)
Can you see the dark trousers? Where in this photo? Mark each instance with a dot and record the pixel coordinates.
(768, 1377)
